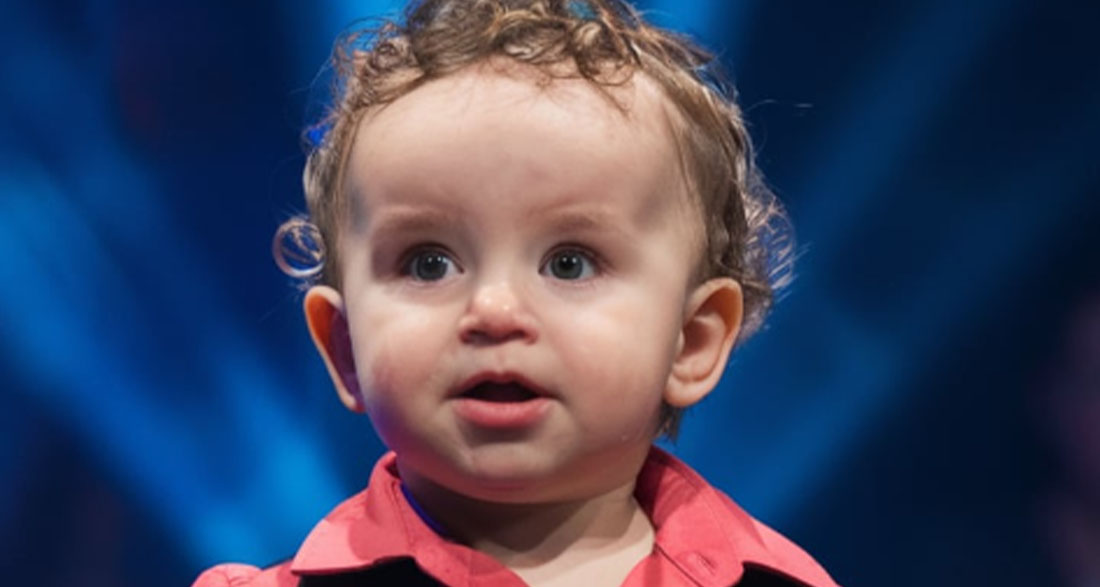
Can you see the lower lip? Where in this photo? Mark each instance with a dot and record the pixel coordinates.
(488, 414)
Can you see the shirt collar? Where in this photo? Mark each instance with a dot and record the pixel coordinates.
(698, 529)
(707, 535)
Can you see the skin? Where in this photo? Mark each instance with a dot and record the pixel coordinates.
(496, 177)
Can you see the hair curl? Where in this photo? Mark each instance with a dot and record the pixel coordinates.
(747, 234)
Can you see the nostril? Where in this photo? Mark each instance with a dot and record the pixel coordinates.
(481, 336)
(480, 328)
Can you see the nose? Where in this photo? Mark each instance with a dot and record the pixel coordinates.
(496, 315)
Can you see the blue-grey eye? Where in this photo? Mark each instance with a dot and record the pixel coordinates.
(569, 264)
(430, 265)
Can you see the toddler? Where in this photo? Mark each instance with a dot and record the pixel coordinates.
(539, 234)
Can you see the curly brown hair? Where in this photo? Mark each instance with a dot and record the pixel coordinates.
(747, 234)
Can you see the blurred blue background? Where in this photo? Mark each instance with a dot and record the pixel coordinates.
(920, 409)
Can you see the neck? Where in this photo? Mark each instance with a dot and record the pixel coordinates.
(596, 540)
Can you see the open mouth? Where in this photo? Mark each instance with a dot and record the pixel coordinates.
(507, 392)
(501, 401)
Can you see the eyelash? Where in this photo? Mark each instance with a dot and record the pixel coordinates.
(594, 262)
(408, 264)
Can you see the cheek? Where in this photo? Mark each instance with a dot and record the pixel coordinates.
(625, 345)
(397, 349)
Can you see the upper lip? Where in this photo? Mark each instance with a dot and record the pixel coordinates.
(498, 377)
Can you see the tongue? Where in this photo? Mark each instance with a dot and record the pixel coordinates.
(501, 392)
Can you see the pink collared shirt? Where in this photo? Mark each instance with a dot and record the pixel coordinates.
(701, 538)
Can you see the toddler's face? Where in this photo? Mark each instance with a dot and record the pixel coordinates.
(516, 275)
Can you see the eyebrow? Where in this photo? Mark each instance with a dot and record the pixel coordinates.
(411, 220)
(571, 220)
(424, 220)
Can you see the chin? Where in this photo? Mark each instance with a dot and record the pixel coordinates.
(506, 479)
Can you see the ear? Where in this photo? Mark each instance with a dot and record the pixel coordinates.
(712, 319)
(328, 325)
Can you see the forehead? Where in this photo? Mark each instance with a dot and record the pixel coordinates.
(511, 135)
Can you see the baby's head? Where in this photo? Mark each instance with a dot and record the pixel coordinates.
(543, 232)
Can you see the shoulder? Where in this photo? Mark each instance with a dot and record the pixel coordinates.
(239, 575)
(364, 528)
(779, 553)
(792, 559)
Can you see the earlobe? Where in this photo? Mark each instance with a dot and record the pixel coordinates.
(328, 325)
(712, 320)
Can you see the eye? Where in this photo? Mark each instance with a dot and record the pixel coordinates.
(429, 265)
(569, 264)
